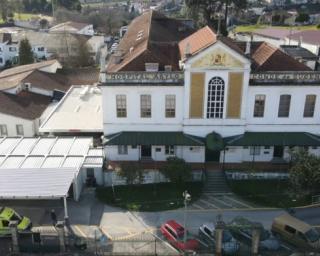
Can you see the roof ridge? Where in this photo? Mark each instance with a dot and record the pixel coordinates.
(149, 28)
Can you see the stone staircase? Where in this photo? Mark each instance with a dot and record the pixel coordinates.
(216, 183)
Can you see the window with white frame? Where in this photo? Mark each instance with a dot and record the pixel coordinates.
(3, 130)
(121, 104)
(284, 105)
(255, 151)
(19, 128)
(309, 105)
(170, 106)
(169, 150)
(259, 103)
(145, 105)
(123, 150)
(215, 98)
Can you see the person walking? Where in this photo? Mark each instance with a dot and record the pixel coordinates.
(53, 217)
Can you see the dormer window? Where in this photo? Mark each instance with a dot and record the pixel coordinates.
(152, 67)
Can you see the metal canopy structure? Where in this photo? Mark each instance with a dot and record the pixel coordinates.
(45, 183)
(36, 183)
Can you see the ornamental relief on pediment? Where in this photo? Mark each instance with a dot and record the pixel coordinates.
(217, 59)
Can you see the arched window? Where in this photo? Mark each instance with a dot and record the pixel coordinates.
(215, 98)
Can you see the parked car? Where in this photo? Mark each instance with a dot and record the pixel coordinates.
(8, 214)
(296, 232)
(229, 244)
(174, 233)
(243, 227)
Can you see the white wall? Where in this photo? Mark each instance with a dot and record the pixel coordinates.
(196, 155)
(29, 126)
(133, 121)
(295, 121)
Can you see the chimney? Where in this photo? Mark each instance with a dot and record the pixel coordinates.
(248, 48)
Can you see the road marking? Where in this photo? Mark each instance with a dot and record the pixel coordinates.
(222, 202)
(80, 231)
(197, 206)
(209, 203)
(238, 202)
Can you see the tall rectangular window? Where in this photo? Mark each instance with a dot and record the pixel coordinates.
(259, 103)
(284, 105)
(121, 102)
(19, 128)
(169, 150)
(122, 150)
(309, 105)
(170, 106)
(255, 151)
(3, 130)
(145, 103)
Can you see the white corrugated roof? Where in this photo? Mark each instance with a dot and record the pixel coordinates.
(73, 161)
(12, 162)
(50, 183)
(52, 162)
(32, 162)
(56, 152)
(24, 146)
(93, 161)
(43, 146)
(62, 146)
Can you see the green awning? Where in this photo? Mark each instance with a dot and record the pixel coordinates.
(214, 141)
(273, 139)
(153, 138)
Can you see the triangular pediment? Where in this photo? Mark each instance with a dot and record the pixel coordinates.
(218, 56)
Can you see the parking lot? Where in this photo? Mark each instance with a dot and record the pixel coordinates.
(138, 232)
(220, 202)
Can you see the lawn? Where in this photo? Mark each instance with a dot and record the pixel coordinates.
(251, 28)
(268, 193)
(149, 197)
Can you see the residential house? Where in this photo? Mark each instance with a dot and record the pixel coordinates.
(9, 51)
(172, 91)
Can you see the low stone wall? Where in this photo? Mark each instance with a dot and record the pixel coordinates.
(150, 176)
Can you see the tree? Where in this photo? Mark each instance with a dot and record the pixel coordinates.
(176, 170)
(303, 17)
(83, 59)
(25, 52)
(4, 4)
(305, 172)
(132, 172)
(209, 10)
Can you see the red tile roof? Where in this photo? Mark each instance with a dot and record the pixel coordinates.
(151, 37)
(26, 105)
(199, 40)
(269, 58)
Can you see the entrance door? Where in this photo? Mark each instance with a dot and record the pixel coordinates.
(145, 151)
(212, 155)
(278, 151)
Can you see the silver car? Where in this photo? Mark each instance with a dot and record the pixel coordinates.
(229, 243)
(244, 227)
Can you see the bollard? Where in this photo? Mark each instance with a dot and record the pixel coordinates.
(13, 225)
(61, 234)
(255, 240)
(218, 238)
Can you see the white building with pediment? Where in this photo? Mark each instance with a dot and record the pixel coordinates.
(172, 91)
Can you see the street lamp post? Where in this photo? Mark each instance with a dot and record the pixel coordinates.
(187, 198)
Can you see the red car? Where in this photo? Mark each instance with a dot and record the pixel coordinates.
(174, 233)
